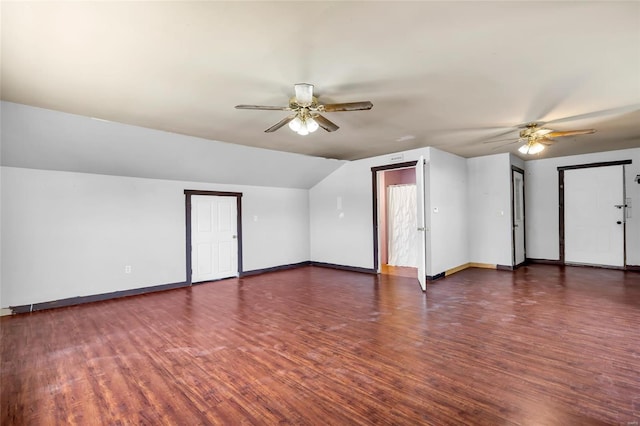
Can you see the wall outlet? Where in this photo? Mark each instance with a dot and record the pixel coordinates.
(127, 269)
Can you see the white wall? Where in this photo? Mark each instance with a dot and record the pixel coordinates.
(1, 215)
(516, 161)
(345, 236)
(541, 197)
(447, 180)
(489, 218)
(71, 234)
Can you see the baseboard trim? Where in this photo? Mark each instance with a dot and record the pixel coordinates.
(344, 267)
(72, 301)
(275, 268)
(590, 265)
(475, 265)
(436, 276)
(456, 269)
(505, 268)
(482, 265)
(633, 268)
(79, 300)
(544, 261)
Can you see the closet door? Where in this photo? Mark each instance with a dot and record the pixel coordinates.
(213, 238)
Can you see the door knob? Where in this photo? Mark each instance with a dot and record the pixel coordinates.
(619, 222)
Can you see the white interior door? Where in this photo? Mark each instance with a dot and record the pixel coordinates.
(518, 217)
(421, 229)
(214, 243)
(594, 216)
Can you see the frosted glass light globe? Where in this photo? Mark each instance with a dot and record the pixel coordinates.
(303, 131)
(295, 124)
(312, 125)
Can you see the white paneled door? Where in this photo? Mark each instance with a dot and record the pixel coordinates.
(421, 222)
(594, 215)
(214, 241)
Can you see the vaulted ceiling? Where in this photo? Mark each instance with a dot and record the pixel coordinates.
(453, 75)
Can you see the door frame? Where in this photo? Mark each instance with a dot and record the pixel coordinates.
(188, 194)
(515, 169)
(561, 170)
(374, 185)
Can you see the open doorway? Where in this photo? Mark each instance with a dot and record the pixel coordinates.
(395, 222)
(398, 222)
(518, 238)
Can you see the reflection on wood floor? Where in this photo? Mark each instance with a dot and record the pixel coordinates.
(399, 271)
(544, 345)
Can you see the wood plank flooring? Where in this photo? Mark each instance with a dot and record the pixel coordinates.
(399, 271)
(544, 345)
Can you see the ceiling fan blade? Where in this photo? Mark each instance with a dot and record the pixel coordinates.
(349, 106)
(280, 123)
(500, 140)
(504, 144)
(325, 123)
(506, 132)
(264, 107)
(556, 134)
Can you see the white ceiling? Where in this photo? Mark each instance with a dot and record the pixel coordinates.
(445, 74)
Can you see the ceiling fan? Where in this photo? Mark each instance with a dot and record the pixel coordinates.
(305, 117)
(536, 138)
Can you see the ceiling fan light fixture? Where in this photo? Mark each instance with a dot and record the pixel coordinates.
(303, 123)
(305, 111)
(312, 125)
(531, 147)
(295, 124)
(304, 94)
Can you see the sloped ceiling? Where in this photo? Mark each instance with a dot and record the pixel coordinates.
(453, 75)
(37, 138)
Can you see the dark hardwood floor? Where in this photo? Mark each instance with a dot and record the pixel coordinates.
(544, 345)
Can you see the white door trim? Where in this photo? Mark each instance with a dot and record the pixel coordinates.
(421, 222)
